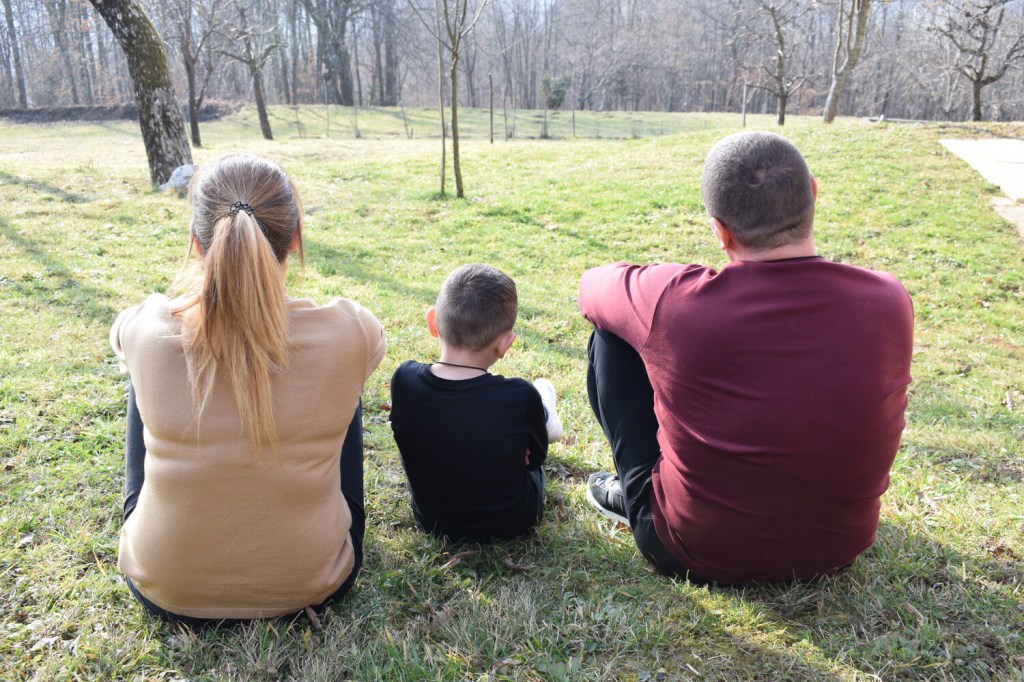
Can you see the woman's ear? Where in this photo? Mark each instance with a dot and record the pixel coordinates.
(432, 321)
(196, 245)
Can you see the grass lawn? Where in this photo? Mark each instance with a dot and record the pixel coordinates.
(940, 595)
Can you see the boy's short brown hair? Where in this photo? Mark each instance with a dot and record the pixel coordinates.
(477, 304)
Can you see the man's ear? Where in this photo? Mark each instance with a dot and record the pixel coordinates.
(432, 321)
(505, 342)
(814, 186)
(722, 234)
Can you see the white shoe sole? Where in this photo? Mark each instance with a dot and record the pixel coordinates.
(548, 397)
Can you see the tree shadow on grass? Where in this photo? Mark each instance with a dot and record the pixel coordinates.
(332, 261)
(43, 188)
(911, 607)
(83, 300)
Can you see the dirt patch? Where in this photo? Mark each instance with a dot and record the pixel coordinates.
(117, 112)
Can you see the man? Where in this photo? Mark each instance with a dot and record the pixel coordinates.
(753, 412)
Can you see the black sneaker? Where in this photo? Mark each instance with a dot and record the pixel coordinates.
(604, 492)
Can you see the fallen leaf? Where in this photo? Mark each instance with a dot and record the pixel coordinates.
(917, 614)
(314, 619)
(459, 558)
(506, 662)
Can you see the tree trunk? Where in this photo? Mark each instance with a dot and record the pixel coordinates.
(857, 25)
(346, 86)
(255, 71)
(286, 87)
(160, 119)
(87, 48)
(440, 97)
(976, 86)
(261, 104)
(8, 71)
(384, 55)
(357, 91)
(391, 95)
(193, 105)
(456, 165)
(782, 101)
(59, 24)
(19, 72)
(293, 23)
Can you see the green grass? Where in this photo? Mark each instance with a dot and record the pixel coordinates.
(938, 597)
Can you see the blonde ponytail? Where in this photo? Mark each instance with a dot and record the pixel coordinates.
(233, 311)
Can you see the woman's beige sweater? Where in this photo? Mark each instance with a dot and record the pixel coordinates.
(220, 532)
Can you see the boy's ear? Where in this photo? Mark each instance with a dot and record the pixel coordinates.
(505, 342)
(432, 321)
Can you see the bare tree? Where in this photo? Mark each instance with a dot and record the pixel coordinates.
(87, 61)
(194, 26)
(852, 18)
(331, 18)
(453, 23)
(384, 53)
(59, 22)
(254, 55)
(160, 119)
(19, 72)
(987, 47)
(774, 71)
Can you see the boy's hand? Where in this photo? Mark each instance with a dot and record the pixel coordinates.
(527, 458)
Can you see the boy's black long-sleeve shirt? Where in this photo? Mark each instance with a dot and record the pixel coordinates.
(463, 445)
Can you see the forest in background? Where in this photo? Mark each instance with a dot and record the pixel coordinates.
(921, 59)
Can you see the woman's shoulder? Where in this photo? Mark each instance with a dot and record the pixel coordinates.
(155, 310)
(149, 320)
(337, 310)
(337, 316)
(334, 306)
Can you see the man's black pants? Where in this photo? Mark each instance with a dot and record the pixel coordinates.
(623, 402)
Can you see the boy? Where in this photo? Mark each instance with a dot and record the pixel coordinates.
(472, 443)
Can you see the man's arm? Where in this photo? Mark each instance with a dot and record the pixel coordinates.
(621, 298)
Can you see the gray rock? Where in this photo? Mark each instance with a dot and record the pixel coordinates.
(180, 179)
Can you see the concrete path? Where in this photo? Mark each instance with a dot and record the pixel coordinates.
(1001, 162)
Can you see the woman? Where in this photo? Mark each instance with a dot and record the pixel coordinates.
(242, 402)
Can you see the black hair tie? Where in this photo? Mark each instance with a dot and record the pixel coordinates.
(240, 206)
